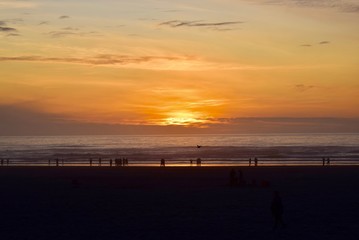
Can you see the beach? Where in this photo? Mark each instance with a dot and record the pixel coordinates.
(177, 203)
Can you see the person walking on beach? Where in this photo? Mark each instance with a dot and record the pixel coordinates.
(277, 210)
(163, 163)
(328, 161)
(255, 162)
(199, 162)
(250, 161)
(90, 162)
(323, 162)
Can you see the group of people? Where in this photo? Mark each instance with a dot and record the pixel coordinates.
(3, 161)
(119, 162)
(255, 161)
(198, 162)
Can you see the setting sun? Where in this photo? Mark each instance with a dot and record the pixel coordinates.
(184, 119)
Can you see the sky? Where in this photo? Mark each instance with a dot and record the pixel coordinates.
(209, 66)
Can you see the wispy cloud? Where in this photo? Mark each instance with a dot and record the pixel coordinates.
(104, 59)
(66, 32)
(44, 23)
(7, 29)
(17, 4)
(13, 35)
(339, 5)
(324, 42)
(303, 88)
(64, 17)
(178, 23)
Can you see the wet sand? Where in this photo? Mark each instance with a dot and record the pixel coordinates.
(176, 203)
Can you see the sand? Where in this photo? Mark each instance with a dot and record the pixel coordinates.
(176, 203)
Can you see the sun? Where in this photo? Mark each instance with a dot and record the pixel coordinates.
(183, 119)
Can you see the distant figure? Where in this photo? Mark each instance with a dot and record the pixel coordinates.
(99, 161)
(111, 162)
(49, 162)
(232, 178)
(163, 163)
(255, 162)
(191, 162)
(199, 162)
(199, 146)
(323, 162)
(90, 162)
(57, 162)
(328, 161)
(250, 161)
(277, 210)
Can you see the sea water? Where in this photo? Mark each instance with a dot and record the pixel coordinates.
(181, 149)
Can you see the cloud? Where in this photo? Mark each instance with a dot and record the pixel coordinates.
(17, 4)
(303, 88)
(104, 59)
(7, 29)
(64, 17)
(306, 45)
(350, 6)
(13, 35)
(324, 42)
(44, 22)
(65, 32)
(217, 25)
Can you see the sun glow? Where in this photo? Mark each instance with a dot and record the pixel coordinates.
(184, 119)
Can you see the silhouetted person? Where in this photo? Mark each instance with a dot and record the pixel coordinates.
(191, 162)
(232, 178)
(99, 161)
(323, 162)
(57, 162)
(90, 162)
(328, 161)
(199, 162)
(111, 162)
(250, 162)
(255, 162)
(49, 162)
(199, 146)
(277, 210)
(163, 163)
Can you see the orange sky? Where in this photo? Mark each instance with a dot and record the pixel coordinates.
(180, 63)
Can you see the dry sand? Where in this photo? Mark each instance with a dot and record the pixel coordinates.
(176, 203)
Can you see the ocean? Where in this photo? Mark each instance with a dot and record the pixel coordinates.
(269, 149)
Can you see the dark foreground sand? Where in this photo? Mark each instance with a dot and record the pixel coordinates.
(176, 203)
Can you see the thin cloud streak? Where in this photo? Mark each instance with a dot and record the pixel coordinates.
(212, 25)
(349, 6)
(174, 63)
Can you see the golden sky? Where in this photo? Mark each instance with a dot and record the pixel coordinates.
(197, 63)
